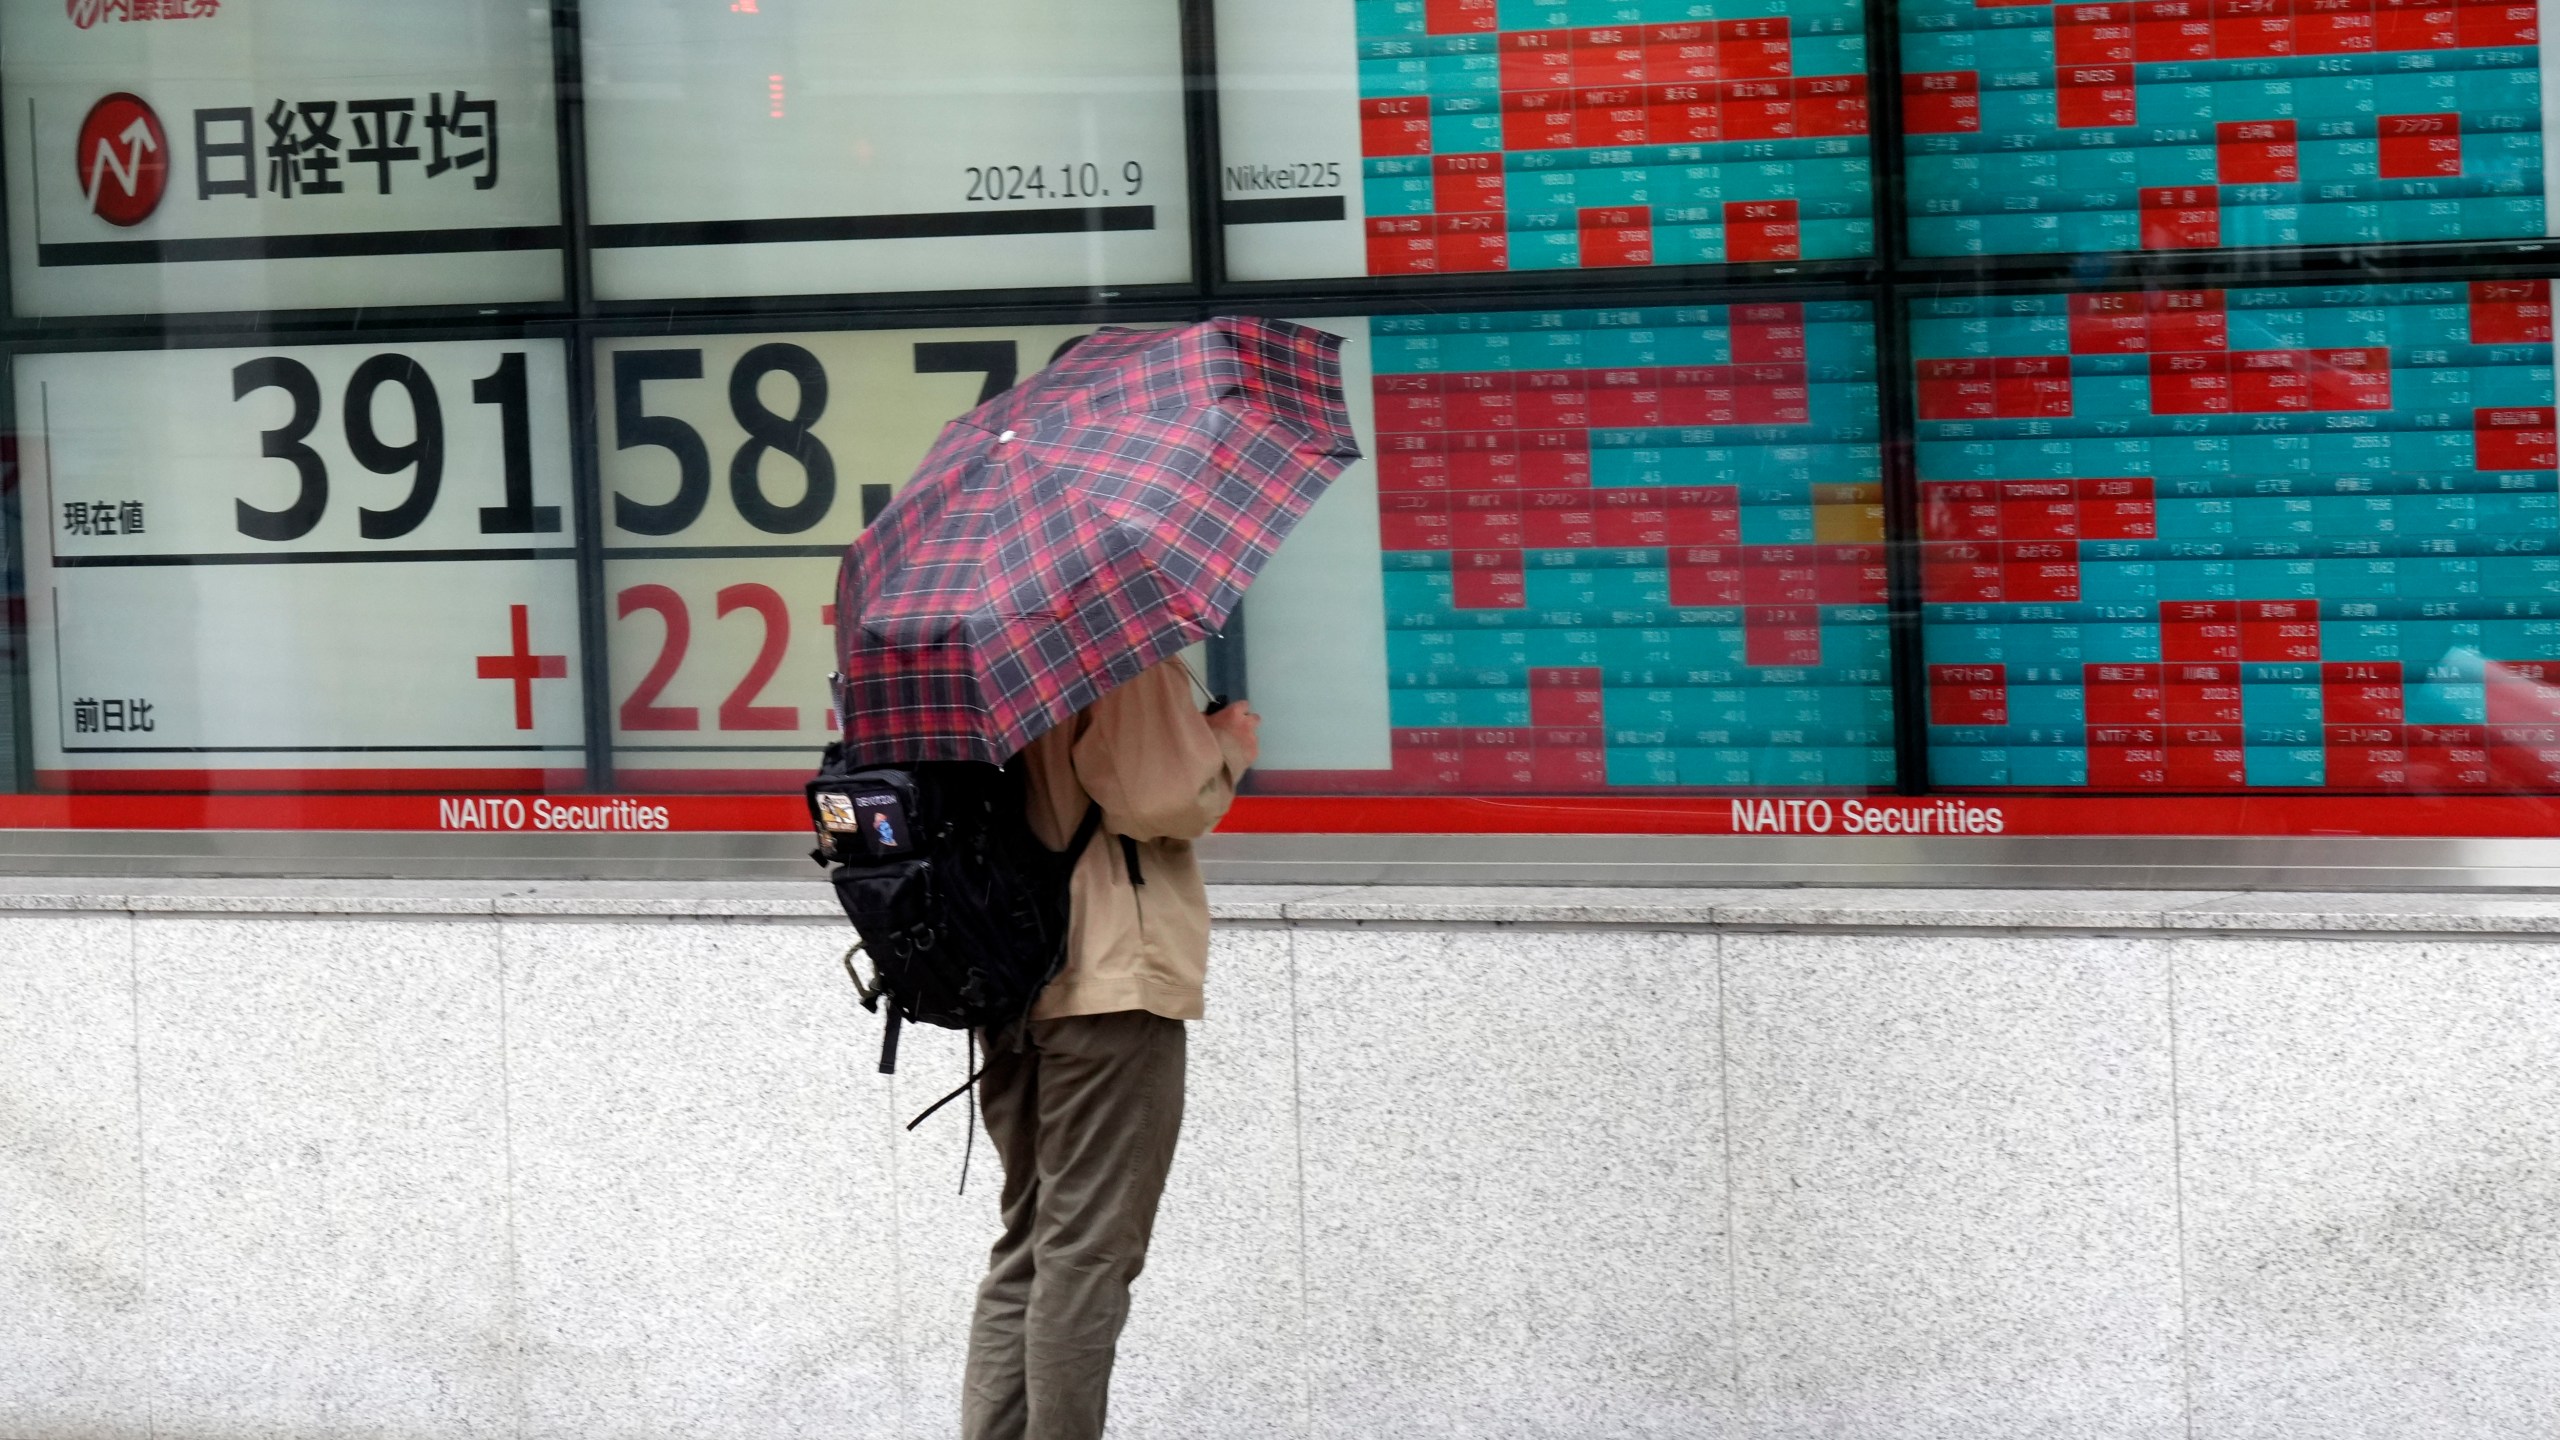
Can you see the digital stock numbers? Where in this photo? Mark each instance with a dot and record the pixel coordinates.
(1634, 548)
(2245, 538)
(1531, 135)
(2197, 124)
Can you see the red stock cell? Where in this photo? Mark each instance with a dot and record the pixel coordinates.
(1461, 17)
(1396, 134)
(2497, 26)
(2042, 572)
(2092, 95)
(1850, 575)
(1762, 230)
(1946, 102)
(2511, 312)
(2361, 693)
(2118, 509)
(1706, 577)
(1968, 695)
(1619, 235)
(2335, 31)
(2171, 34)
(1404, 245)
(2412, 27)
(2181, 217)
(1464, 183)
(1782, 635)
(1483, 587)
(1413, 521)
(2420, 146)
(2522, 438)
(2093, 35)
(2279, 631)
(1528, 63)
(2350, 379)
(1540, 120)
(2256, 152)
(2522, 692)
(1960, 510)
(1960, 572)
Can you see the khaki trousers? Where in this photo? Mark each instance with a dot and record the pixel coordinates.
(1083, 1112)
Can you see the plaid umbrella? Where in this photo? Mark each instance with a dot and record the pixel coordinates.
(1080, 527)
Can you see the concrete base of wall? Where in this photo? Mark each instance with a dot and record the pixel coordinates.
(295, 1159)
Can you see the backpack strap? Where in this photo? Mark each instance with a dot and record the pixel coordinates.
(1086, 829)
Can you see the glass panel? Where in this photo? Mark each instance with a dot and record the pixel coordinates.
(1443, 137)
(2198, 124)
(301, 568)
(2292, 538)
(736, 469)
(737, 148)
(196, 155)
(1612, 549)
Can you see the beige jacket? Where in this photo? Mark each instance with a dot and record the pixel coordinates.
(1164, 777)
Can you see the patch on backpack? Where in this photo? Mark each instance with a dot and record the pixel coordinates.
(882, 823)
(836, 812)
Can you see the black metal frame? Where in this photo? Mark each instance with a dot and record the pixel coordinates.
(1888, 281)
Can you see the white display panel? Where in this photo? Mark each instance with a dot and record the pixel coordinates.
(736, 468)
(864, 146)
(223, 155)
(1315, 649)
(301, 568)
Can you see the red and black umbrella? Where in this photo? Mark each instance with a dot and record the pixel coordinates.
(1089, 522)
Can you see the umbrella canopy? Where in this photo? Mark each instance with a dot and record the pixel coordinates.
(1089, 522)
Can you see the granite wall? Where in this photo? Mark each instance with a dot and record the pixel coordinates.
(299, 1160)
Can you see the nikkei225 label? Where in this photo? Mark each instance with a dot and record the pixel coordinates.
(278, 155)
(736, 469)
(301, 567)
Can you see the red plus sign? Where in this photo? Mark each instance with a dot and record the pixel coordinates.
(523, 666)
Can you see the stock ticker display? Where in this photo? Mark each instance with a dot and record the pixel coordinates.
(1633, 548)
(1579, 134)
(2202, 540)
(2196, 124)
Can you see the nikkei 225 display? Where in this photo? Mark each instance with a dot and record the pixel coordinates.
(2196, 124)
(1632, 548)
(1545, 134)
(2217, 539)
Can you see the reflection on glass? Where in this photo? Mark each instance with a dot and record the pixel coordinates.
(2196, 124)
(2214, 539)
(1625, 548)
(1399, 137)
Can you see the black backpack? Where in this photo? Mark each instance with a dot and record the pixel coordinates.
(960, 907)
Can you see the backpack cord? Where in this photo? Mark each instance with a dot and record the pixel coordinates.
(954, 1095)
(969, 1057)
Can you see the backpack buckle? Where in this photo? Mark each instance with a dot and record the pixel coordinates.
(871, 990)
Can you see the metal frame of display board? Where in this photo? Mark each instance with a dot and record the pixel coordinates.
(1629, 837)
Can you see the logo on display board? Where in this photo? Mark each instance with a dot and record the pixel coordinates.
(124, 160)
(85, 13)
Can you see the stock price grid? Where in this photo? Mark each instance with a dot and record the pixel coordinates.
(1585, 134)
(1638, 547)
(2216, 540)
(2199, 124)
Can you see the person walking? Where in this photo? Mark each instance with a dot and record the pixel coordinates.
(1083, 1098)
